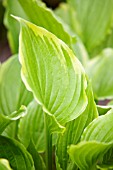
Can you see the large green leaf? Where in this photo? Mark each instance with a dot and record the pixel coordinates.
(96, 140)
(95, 18)
(29, 129)
(13, 93)
(4, 165)
(16, 154)
(101, 76)
(53, 74)
(73, 132)
(13, 7)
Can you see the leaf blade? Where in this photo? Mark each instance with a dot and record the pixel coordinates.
(17, 155)
(50, 89)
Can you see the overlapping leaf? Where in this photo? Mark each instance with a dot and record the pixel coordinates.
(95, 24)
(96, 140)
(68, 16)
(86, 154)
(54, 24)
(53, 74)
(44, 17)
(13, 93)
(38, 160)
(107, 43)
(13, 7)
(6, 120)
(31, 127)
(73, 132)
(12, 90)
(99, 70)
(16, 154)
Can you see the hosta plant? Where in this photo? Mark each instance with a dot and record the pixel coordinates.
(52, 88)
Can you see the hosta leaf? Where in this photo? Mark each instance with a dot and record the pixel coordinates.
(107, 43)
(4, 165)
(54, 24)
(13, 7)
(35, 132)
(68, 16)
(101, 76)
(46, 19)
(96, 139)
(53, 74)
(16, 154)
(86, 154)
(38, 160)
(13, 93)
(12, 90)
(6, 120)
(100, 129)
(95, 25)
(108, 159)
(73, 132)
(29, 129)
